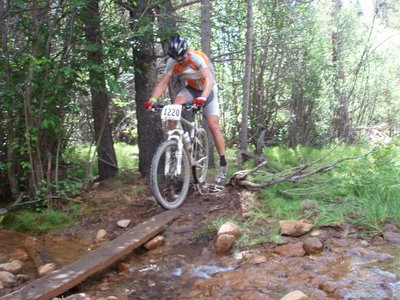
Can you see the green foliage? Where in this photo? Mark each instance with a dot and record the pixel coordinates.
(375, 184)
(28, 221)
(127, 157)
(363, 191)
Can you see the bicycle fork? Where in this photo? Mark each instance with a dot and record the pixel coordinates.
(176, 135)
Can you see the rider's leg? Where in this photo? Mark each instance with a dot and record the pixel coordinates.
(180, 99)
(211, 113)
(213, 126)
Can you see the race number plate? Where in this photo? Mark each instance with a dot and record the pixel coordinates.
(171, 112)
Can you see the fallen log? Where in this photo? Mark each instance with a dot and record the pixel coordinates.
(44, 263)
(61, 280)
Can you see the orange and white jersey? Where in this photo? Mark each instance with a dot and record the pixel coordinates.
(191, 71)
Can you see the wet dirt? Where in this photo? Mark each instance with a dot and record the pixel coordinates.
(187, 267)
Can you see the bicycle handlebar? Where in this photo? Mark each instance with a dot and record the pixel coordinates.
(189, 106)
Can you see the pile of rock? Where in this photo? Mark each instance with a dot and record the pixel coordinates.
(10, 275)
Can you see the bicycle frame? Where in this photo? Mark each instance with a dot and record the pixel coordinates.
(177, 134)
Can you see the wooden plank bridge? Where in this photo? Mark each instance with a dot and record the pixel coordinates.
(61, 280)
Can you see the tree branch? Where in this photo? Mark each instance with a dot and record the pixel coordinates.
(241, 178)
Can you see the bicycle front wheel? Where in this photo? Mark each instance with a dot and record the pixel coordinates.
(200, 155)
(170, 187)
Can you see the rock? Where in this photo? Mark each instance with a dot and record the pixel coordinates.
(295, 228)
(224, 243)
(295, 295)
(123, 223)
(1, 286)
(12, 267)
(80, 296)
(46, 269)
(392, 237)
(291, 249)
(230, 228)
(154, 243)
(22, 278)
(150, 283)
(312, 245)
(259, 259)
(122, 266)
(7, 279)
(100, 236)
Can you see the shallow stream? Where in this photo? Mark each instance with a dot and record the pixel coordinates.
(346, 269)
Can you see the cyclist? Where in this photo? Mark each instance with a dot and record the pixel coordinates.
(201, 88)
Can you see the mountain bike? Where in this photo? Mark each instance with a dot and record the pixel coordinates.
(184, 153)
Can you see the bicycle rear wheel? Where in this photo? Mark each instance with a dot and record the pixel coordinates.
(169, 188)
(200, 155)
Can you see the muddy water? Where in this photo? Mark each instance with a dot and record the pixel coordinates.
(63, 251)
(346, 269)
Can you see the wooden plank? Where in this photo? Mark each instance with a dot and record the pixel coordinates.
(60, 281)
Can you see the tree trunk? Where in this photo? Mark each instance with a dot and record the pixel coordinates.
(149, 126)
(206, 27)
(10, 127)
(107, 161)
(340, 124)
(247, 80)
(206, 48)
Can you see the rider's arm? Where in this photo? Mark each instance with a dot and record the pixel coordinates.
(208, 82)
(161, 86)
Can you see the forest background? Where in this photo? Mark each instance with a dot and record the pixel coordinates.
(76, 73)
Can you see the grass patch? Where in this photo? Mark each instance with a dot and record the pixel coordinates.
(362, 191)
(28, 221)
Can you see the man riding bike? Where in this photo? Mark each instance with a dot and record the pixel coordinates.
(201, 88)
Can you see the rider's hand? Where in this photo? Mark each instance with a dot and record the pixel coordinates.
(149, 104)
(199, 101)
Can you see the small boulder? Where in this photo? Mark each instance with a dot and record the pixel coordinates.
(154, 243)
(13, 267)
(101, 235)
(312, 245)
(230, 228)
(7, 279)
(295, 295)
(392, 237)
(294, 228)
(80, 296)
(123, 223)
(22, 278)
(224, 243)
(46, 269)
(291, 249)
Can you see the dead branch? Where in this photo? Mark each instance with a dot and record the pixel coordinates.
(241, 178)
